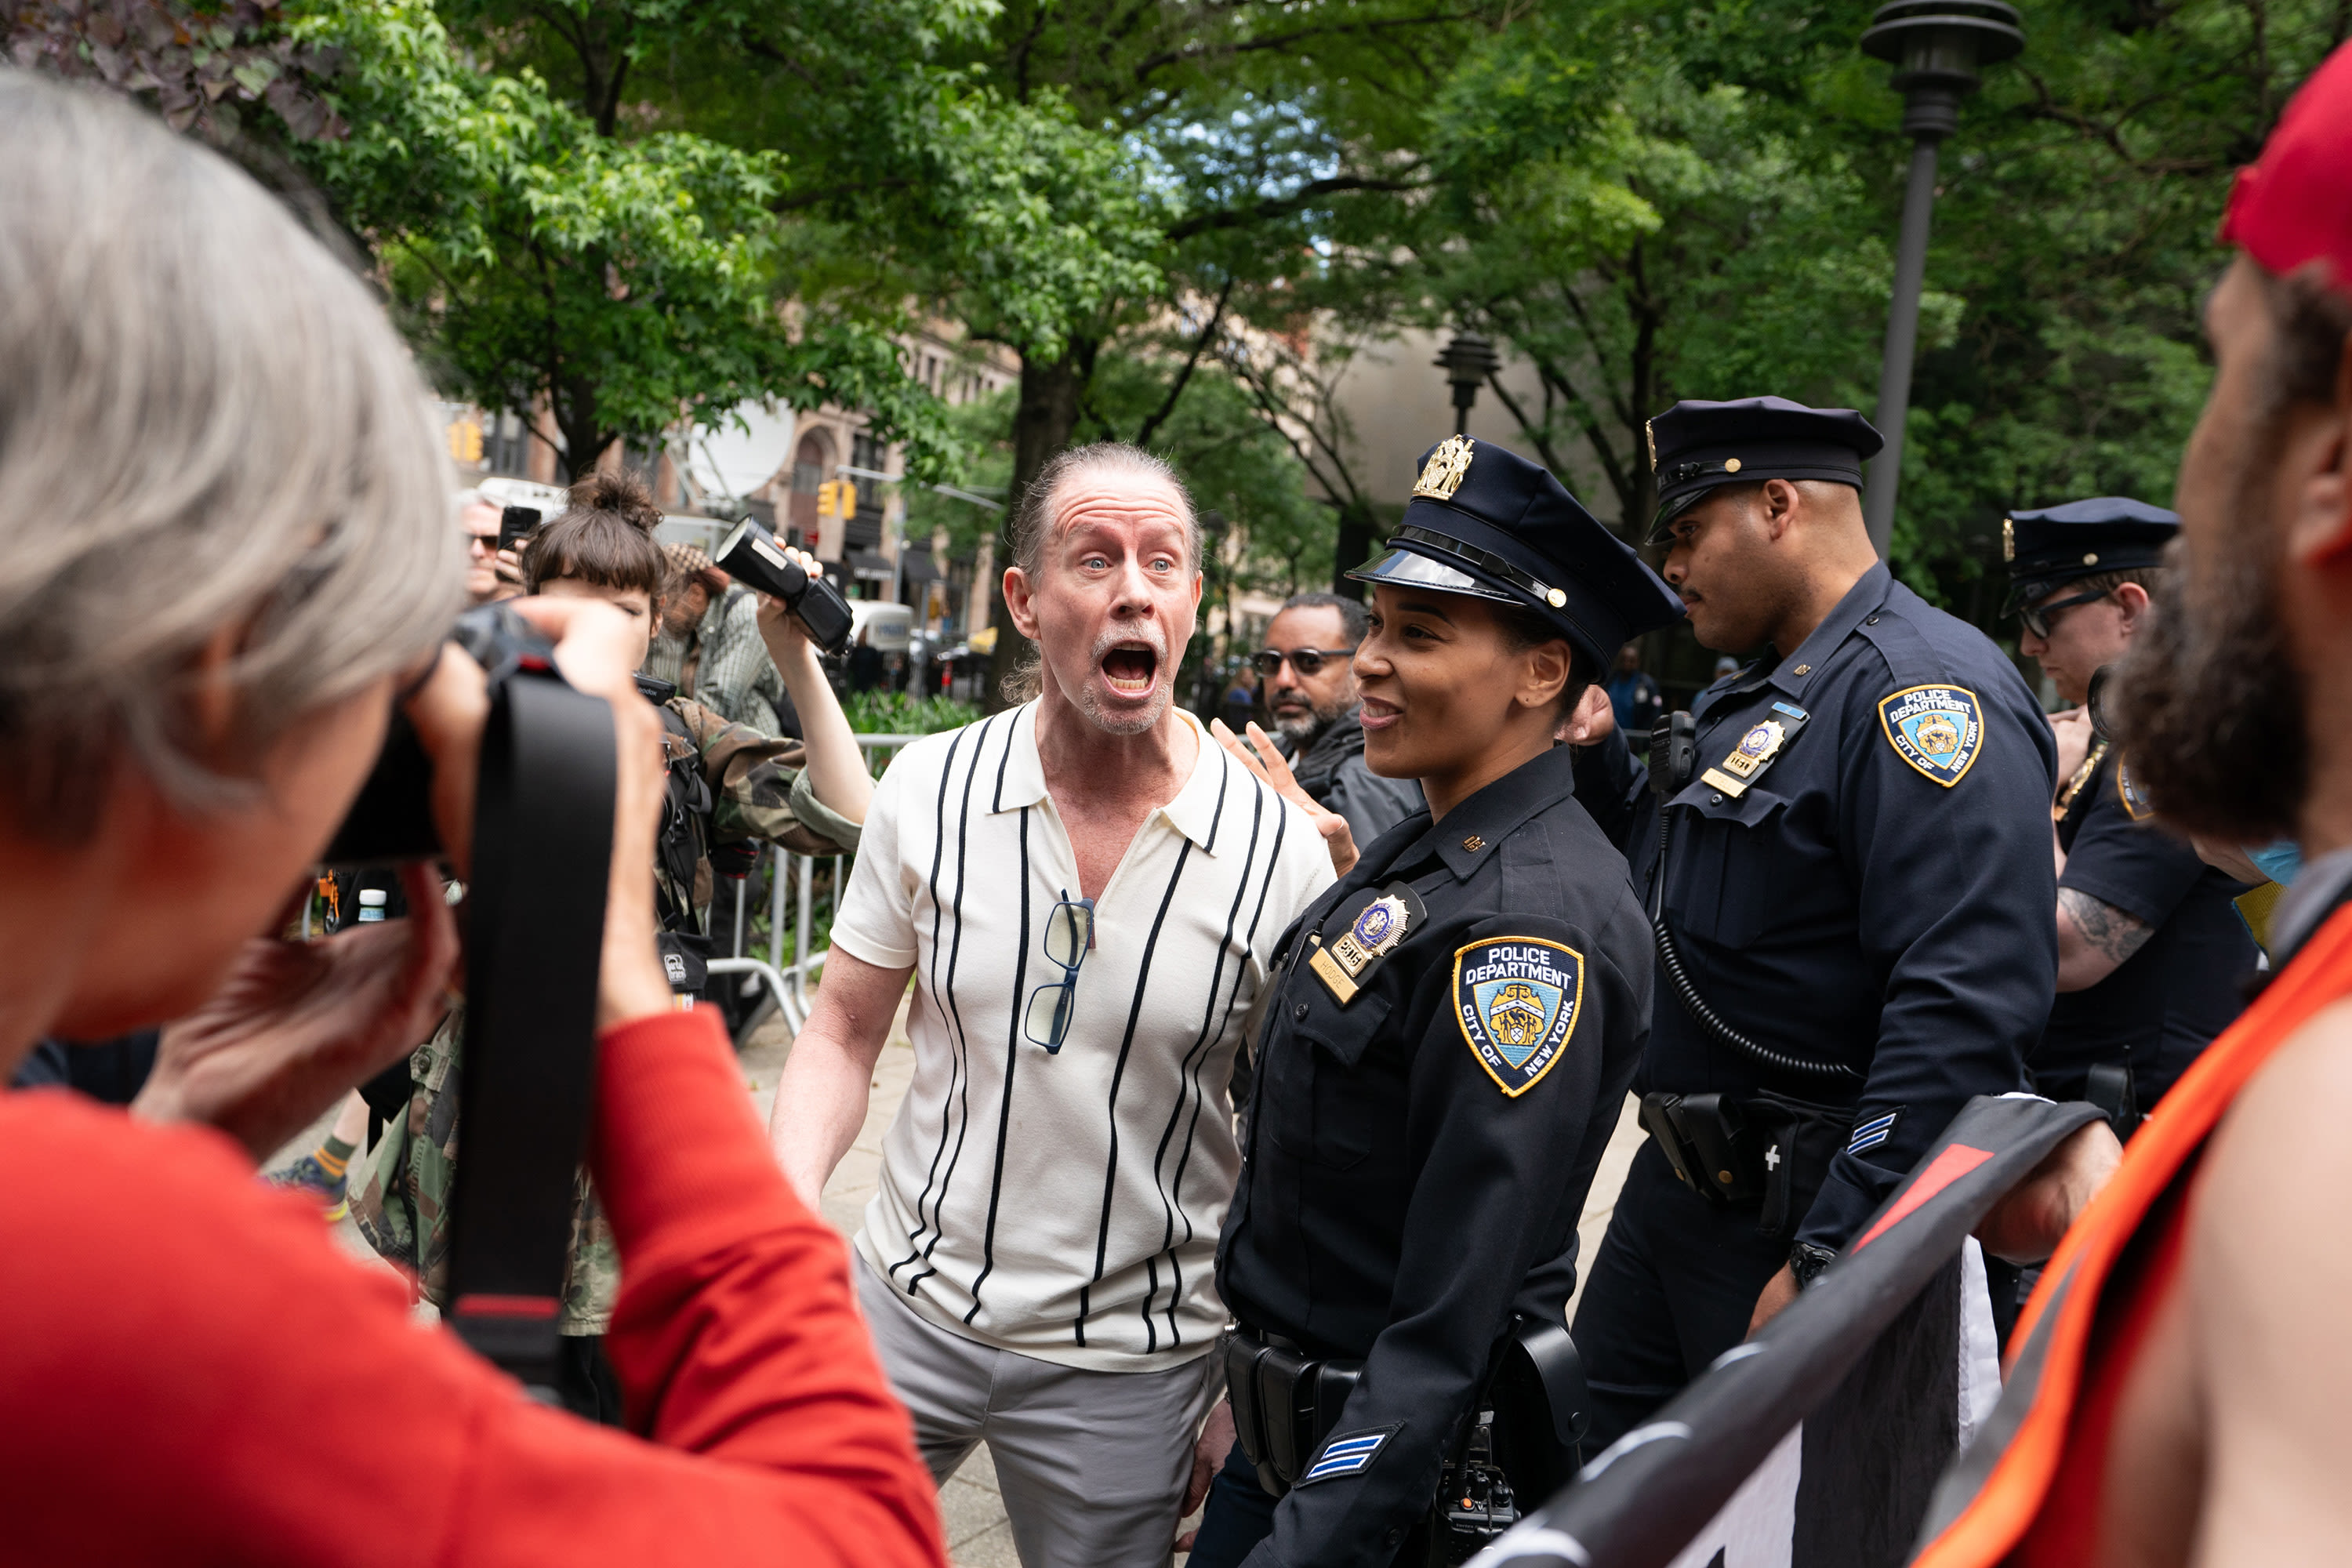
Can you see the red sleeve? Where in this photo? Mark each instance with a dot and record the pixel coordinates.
(191, 1372)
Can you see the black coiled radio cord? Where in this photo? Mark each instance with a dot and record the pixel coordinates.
(1705, 1017)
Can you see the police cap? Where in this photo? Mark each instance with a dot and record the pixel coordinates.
(1485, 521)
(1694, 446)
(2053, 547)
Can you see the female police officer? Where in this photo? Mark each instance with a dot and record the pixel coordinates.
(1449, 1035)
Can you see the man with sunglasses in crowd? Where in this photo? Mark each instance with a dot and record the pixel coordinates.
(1308, 666)
(1086, 891)
(2151, 950)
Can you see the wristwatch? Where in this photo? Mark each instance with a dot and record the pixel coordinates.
(1806, 1260)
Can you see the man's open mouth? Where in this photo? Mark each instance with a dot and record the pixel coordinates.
(1130, 668)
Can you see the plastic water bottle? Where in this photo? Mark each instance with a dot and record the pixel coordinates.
(370, 904)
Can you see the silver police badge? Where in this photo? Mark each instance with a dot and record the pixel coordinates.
(1517, 998)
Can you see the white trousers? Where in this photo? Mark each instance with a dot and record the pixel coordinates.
(1091, 1465)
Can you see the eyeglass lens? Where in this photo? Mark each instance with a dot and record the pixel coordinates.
(1068, 931)
(1305, 660)
(1048, 1018)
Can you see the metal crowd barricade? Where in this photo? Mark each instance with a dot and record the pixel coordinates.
(793, 985)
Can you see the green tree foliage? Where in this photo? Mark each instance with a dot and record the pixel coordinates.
(1654, 203)
(624, 281)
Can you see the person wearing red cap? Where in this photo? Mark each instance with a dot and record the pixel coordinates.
(2180, 1386)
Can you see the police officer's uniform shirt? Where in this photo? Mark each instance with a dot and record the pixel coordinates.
(1066, 1206)
(2161, 1005)
(1881, 896)
(1418, 1157)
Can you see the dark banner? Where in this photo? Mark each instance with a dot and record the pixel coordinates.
(1819, 1441)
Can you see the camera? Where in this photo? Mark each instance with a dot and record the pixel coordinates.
(392, 820)
(750, 555)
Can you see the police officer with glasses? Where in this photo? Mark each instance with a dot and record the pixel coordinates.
(1450, 1032)
(1850, 885)
(2150, 950)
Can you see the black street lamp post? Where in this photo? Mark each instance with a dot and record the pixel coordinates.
(1936, 46)
(1467, 362)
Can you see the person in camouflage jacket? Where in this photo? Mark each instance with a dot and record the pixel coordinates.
(729, 787)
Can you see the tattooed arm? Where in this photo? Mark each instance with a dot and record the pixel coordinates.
(2094, 939)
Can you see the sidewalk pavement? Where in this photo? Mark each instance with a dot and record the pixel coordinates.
(977, 1534)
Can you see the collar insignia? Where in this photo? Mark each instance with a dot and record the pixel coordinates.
(1446, 469)
(1516, 999)
(1938, 729)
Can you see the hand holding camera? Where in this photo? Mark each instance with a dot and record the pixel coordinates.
(299, 1023)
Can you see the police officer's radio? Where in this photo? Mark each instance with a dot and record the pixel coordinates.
(1673, 753)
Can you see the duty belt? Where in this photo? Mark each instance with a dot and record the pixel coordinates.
(1286, 1402)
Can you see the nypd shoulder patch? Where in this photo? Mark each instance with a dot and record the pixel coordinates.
(1938, 729)
(1349, 1453)
(1516, 1000)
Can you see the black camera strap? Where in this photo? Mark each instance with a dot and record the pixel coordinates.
(534, 939)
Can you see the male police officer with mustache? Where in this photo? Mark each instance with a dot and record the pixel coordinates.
(1852, 892)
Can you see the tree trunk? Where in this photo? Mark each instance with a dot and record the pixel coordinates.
(1353, 548)
(1047, 413)
(575, 416)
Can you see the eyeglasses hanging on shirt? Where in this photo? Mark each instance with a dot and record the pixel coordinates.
(1069, 936)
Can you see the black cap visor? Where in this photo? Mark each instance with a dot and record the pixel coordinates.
(1421, 558)
(1404, 568)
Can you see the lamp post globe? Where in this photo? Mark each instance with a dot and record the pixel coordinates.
(1937, 47)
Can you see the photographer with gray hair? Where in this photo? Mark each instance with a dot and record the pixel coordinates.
(204, 627)
(1086, 891)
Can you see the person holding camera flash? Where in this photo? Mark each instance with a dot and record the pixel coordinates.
(728, 787)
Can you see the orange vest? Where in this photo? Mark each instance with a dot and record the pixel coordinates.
(2036, 1494)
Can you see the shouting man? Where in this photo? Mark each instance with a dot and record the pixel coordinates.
(1086, 891)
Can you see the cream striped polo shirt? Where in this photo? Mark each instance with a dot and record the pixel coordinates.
(1066, 1205)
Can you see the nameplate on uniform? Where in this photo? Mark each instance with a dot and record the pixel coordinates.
(1348, 961)
(1758, 747)
(1938, 729)
(1517, 998)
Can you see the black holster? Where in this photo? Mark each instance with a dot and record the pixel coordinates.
(1284, 1402)
(1763, 1149)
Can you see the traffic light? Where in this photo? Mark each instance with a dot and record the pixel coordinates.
(465, 440)
(836, 498)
